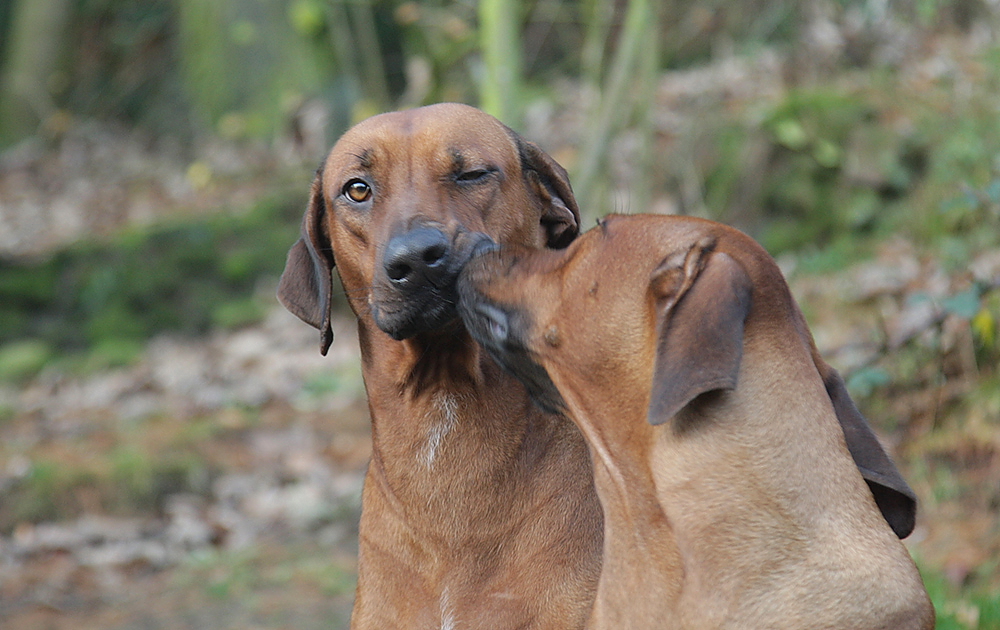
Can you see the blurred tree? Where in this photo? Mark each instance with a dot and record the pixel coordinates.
(617, 103)
(353, 39)
(499, 35)
(246, 64)
(37, 32)
(125, 66)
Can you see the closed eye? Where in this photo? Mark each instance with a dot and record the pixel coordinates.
(475, 175)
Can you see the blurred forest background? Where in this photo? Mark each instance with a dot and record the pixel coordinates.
(174, 453)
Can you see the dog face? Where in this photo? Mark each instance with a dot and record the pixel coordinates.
(643, 315)
(403, 201)
(592, 311)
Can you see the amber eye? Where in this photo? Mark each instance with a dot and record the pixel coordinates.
(357, 190)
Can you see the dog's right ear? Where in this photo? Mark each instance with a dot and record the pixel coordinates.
(702, 302)
(894, 497)
(561, 216)
(305, 287)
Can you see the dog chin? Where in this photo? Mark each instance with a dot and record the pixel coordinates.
(412, 322)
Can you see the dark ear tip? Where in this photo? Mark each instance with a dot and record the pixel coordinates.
(898, 509)
(325, 341)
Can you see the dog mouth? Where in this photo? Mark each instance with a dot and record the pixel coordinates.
(425, 299)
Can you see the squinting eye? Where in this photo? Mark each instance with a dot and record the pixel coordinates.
(357, 190)
(473, 175)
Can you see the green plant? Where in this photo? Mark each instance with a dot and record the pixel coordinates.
(22, 359)
(976, 608)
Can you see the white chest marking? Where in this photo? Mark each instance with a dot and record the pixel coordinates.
(447, 614)
(442, 417)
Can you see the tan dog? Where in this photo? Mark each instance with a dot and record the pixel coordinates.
(479, 509)
(730, 497)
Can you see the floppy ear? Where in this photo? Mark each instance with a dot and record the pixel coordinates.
(703, 300)
(561, 217)
(894, 497)
(305, 285)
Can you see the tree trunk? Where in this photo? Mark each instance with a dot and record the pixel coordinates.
(500, 91)
(37, 35)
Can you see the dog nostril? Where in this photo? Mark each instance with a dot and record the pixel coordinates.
(434, 255)
(398, 272)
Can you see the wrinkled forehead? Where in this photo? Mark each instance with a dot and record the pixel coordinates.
(450, 134)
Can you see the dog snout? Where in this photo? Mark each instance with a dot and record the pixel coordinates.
(420, 254)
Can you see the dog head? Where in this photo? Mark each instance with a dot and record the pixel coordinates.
(594, 311)
(650, 313)
(403, 201)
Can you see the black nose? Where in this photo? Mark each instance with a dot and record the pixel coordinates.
(421, 253)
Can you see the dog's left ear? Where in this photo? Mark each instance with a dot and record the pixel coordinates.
(702, 301)
(305, 287)
(561, 215)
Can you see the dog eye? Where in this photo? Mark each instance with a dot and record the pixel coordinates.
(357, 190)
(474, 175)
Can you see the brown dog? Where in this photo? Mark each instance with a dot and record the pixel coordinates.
(478, 509)
(730, 497)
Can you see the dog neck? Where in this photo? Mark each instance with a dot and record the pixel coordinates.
(462, 459)
(758, 482)
(642, 573)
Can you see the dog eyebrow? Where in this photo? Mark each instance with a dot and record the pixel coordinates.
(365, 158)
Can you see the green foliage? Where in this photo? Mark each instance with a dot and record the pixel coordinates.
(857, 160)
(246, 63)
(129, 479)
(808, 197)
(984, 326)
(961, 609)
(20, 360)
(864, 381)
(106, 299)
(346, 381)
(127, 66)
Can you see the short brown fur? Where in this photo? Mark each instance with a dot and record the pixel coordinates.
(478, 509)
(730, 496)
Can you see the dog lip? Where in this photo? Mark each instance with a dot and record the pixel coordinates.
(427, 316)
(484, 245)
